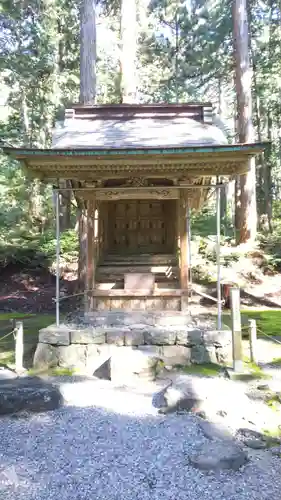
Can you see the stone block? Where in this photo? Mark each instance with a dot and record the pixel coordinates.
(171, 355)
(218, 338)
(174, 320)
(135, 337)
(45, 356)
(116, 335)
(72, 356)
(56, 335)
(201, 354)
(129, 366)
(189, 336)
(98, 360)
(160, 336)
(88, 336)
(224, 354)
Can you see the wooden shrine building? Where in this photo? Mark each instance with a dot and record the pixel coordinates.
(138, 170)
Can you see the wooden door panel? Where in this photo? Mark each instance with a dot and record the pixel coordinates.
(139, 226)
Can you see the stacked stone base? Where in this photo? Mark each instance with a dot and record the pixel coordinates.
(110, 344)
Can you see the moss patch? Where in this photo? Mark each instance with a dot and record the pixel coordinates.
(276, 362)
(207, 370)
(252, 371)
(268, 322)
(57, 371)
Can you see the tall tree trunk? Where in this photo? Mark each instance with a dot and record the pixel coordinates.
(128, 55)
(88, 51)
(246, 210)
(87, 96)
(268, 173)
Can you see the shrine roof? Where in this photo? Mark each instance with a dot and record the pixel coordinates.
(102, 140)
(142, 127)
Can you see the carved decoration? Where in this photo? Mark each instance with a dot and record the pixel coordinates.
(137, 182)
(164, 170)
(150, 193)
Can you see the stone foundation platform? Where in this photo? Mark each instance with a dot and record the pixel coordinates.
(110, 343)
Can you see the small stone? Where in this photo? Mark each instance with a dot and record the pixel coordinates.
(276, 450)
(217, 456)
(179, 398)
(263, 387)
(222, 413)
(244, 433)
(255, 444)
(215, 431)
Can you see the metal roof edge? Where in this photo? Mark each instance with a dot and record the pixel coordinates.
(29, 152)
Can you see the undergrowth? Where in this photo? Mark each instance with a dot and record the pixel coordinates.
(37, 250)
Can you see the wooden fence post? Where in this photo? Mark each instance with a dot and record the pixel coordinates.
(253, 340)
(237, 351)
(19, 346)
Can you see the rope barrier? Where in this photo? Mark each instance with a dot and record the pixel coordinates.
(269, 336)
(7, 335)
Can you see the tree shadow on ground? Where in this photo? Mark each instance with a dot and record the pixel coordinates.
(114, 450)
(33, 291)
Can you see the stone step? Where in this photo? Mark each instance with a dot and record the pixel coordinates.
(163, 274)
(142, 259)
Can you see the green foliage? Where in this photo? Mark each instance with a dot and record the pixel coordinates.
(184, 53)
(37, 251)
(68, 246)
(202, 275)
(270, 243)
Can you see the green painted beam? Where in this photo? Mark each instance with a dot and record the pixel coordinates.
(250, 148)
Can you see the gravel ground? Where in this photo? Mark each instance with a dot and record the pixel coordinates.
(118, 449)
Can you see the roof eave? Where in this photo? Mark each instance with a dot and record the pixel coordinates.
(26, 153)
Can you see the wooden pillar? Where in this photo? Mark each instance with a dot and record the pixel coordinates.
(183, 250)
(91, 253)
(105, 226)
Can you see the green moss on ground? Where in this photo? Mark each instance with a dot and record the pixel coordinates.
(268, 321)
(276, 362)
(55, 372)
(208, 369)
